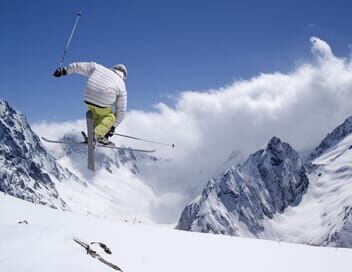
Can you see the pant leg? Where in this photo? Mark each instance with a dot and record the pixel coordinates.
(105, 120)
(95, 116)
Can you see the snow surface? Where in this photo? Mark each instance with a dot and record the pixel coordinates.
(119, 196)
(45, 244)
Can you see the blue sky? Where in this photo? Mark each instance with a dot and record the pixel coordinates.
(167, 46)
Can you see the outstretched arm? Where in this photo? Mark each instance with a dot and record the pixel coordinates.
(83, 68)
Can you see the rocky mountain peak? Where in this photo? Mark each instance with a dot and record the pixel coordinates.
(239, 200)
(27, 171)
(339, 133)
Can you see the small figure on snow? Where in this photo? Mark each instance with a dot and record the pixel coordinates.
(105, 89)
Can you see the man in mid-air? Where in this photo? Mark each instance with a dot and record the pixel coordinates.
(105, 89)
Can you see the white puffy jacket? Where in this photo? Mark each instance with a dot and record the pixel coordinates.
(105, 87)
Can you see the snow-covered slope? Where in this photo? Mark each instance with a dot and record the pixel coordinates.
(324, 216)
(46, 244)
(114, 190)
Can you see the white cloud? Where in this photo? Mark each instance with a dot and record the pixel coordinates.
(53, 130)
(300, 107)
(321, 48)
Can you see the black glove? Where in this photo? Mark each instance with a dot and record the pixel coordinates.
(60, 72)
(111, 132)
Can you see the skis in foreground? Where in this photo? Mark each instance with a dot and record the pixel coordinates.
(98, 145)
(95, 255)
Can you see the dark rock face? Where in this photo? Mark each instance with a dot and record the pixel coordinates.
(341, 235)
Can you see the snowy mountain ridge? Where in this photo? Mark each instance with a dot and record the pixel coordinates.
(29, 172)
(270, 195)
(314, 208)
(338, 134)
(236, 202)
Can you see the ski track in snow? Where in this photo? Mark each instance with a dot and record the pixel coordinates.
(46, 244)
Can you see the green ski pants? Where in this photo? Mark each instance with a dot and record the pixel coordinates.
(103, 118)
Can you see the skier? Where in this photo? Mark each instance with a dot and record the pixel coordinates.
(105, 89)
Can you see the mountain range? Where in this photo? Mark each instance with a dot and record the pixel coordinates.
(273, 194)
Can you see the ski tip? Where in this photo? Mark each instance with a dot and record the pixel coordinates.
(89, 114)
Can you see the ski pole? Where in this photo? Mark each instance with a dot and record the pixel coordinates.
(70, 38)
(143, 140)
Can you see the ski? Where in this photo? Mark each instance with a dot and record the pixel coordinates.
(143, 140)
(90, 132)
(98, 145)
(96, 255)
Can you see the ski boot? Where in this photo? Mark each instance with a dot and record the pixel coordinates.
(104, 141)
